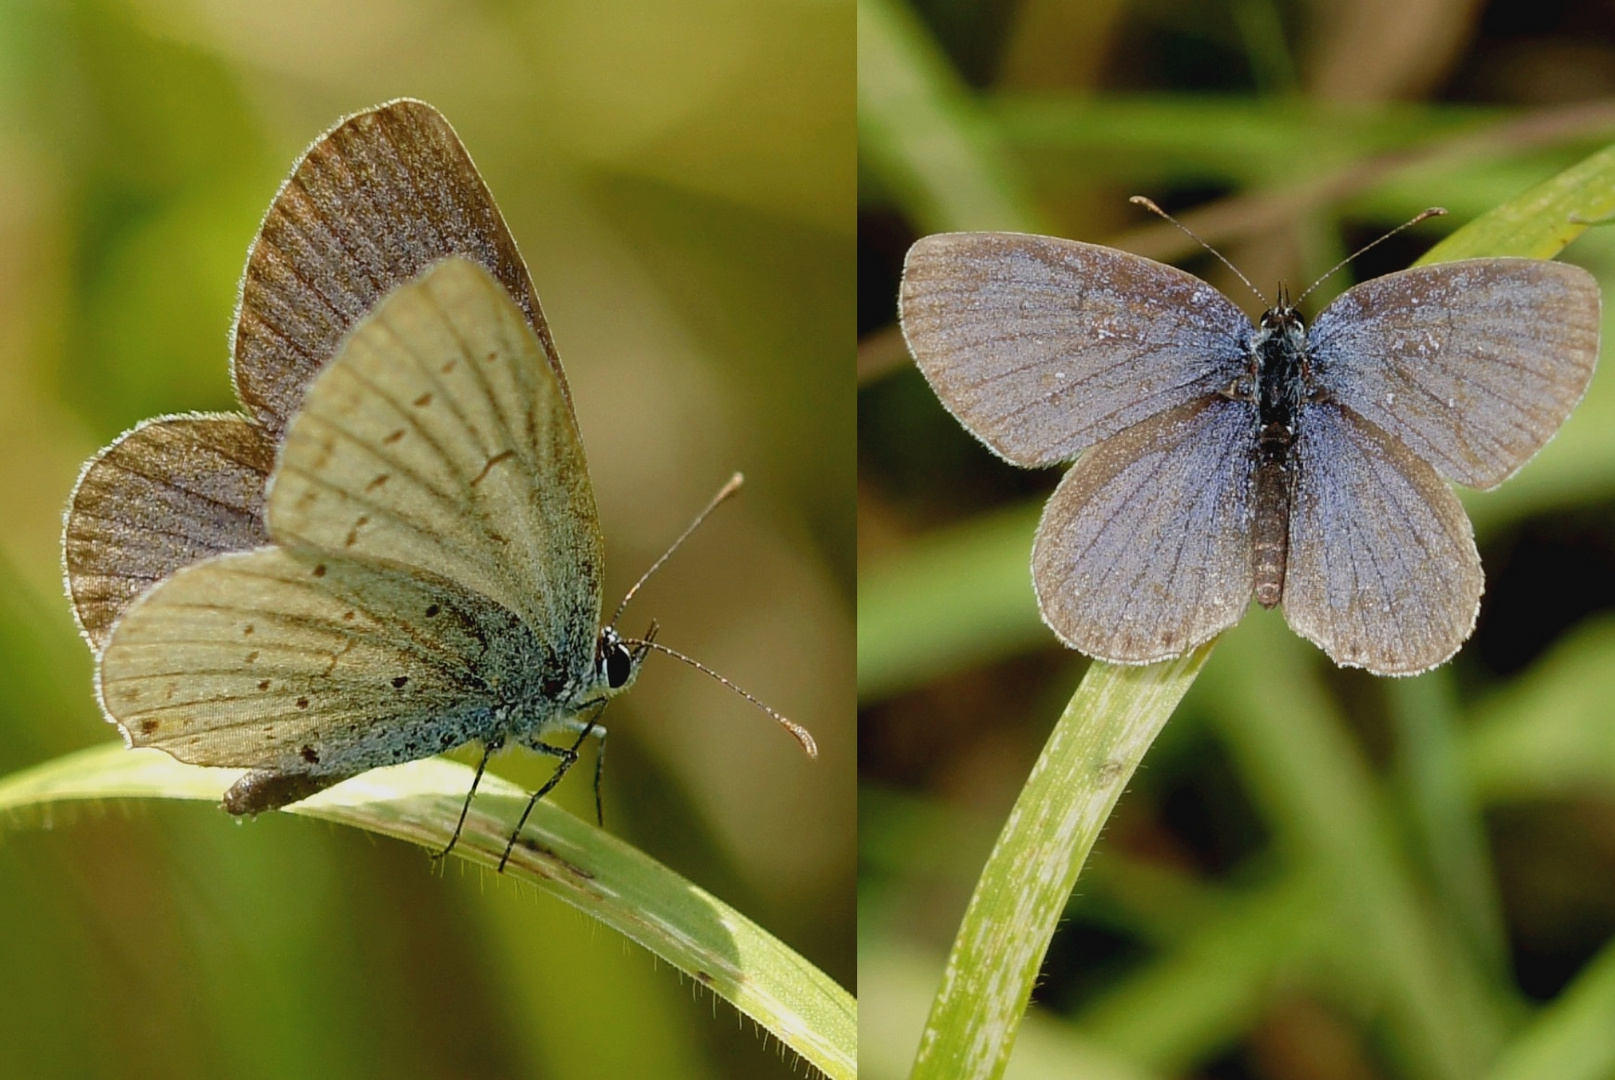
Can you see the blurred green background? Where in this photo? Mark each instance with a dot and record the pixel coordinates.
(1316, 874)
(678, 175)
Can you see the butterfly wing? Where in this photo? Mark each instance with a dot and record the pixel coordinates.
(375, 201)
(1042, 347)
(369, 206)
(439, 439)
(306, 666)
(1473, 365)
(168, 493)
(1383, 572)
(1144, 550)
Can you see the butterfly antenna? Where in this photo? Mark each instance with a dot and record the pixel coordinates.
(1434, 211)
(723, 493)
(797, 731)
(1149, 204)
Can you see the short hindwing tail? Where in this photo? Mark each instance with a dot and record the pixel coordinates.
(1473, 365)
(169, 493)
(439, 439)
(1042, 347)
(1383, 572)
(371, 204)
(1145, 548)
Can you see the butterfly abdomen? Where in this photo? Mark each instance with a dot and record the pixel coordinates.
(1270, 525)
(267, 789)
(1279, 347)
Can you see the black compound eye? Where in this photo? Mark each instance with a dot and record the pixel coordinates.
(619, 665)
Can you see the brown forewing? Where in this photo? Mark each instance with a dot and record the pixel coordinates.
(1042, 347)
(1473, 364)
(383, 195)
(371, 204)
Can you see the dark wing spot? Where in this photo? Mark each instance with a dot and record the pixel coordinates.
(310, 755)
(302, 703)
(504, 455)
(400, 681)
(263, 684)
(377, 482)
(394, 437)
(148, 726)
(450, 366)
(319, 570)
(424, 400)
(492, 356)
(347, 616)
(252, 656)
(432, 610)
(246, 631)
(353, 533)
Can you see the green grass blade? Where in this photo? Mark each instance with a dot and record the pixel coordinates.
(586, 867)
(1201, 996)
(1445, 814)
(1573, 1038)
(910, 631)
(896, 985)
(1239, 139)
(1547, 733)
(924, 135)
(1540, 223)
(1094, 749)
(1313, 784)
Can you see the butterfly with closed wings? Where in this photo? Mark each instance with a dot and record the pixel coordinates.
(424, 570)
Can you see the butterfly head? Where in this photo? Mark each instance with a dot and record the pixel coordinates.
(1282, 321)
(1279, 349)
(616, 662)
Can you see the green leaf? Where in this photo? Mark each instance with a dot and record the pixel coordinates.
(586, 867)
(1097, 743)
(1540, 223)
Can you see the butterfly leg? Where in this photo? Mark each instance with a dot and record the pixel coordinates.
(488, 751)
(584, 730)
(569, 757)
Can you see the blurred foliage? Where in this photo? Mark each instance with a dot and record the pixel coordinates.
(678, 176)
(1316, 873)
